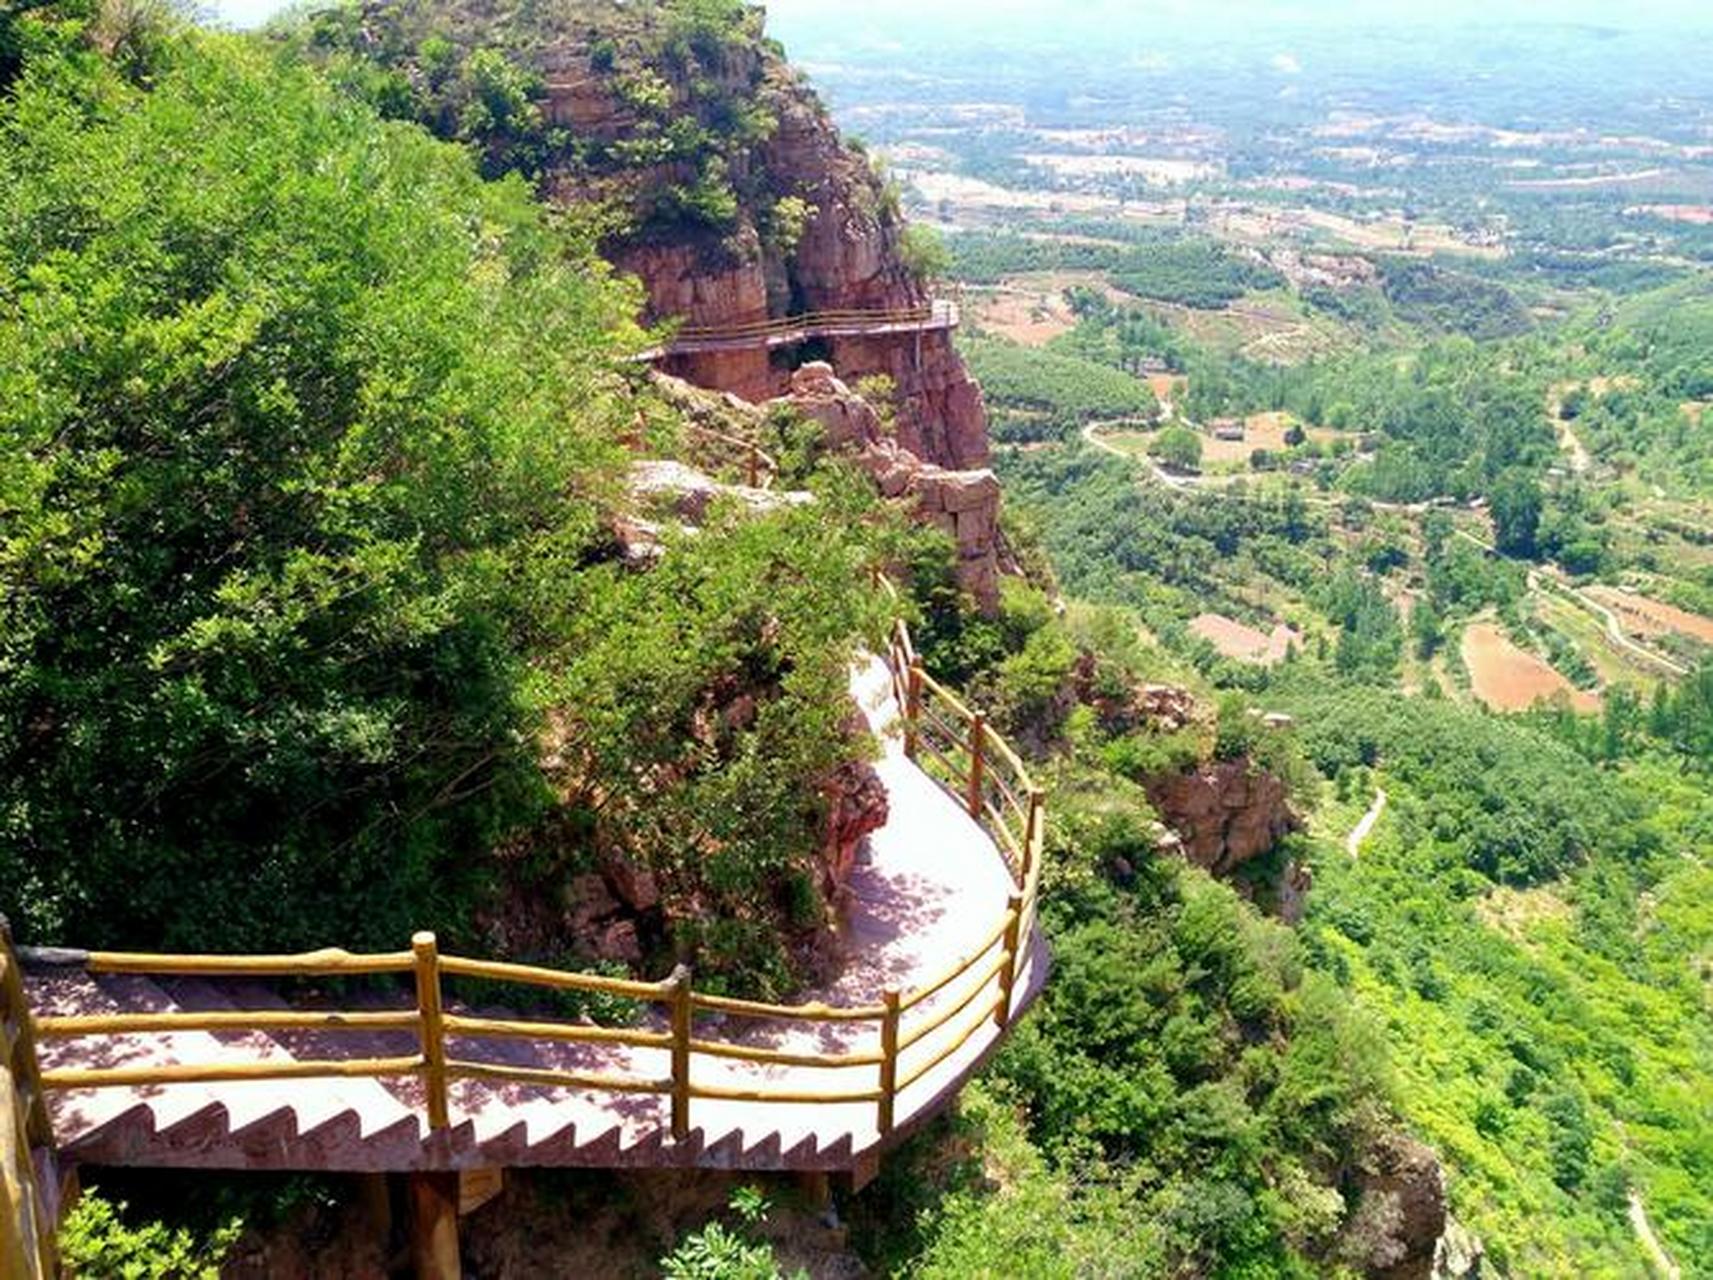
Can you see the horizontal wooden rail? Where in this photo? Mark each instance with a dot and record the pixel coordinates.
(689, 339)
(924, 314)
(954, 1042)
(130, 1024)
(760, 467)
(783, 1057)
(787, 1012)
(551, 1032)
(332, 963)
(229, 1072)
(553, 979)
(926, 1025)
(940, 1017)
(929, 990)
(733, 1093)
(595, 1082)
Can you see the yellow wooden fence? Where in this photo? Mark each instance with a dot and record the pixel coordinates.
(915, 1031)
(26, 1229)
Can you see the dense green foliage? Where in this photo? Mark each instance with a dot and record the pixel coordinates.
(96, 1240)
(1169, 555)
(1188, 270)
(1143, 1059)
(314, 625)
(690, 78)
(1554, 1043)
(1444, 301)
(1192, 273)
(1066, 389)
(719, 1252)
(287, 397)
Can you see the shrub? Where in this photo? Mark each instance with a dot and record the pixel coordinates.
(96, 1241)
(718, 1252)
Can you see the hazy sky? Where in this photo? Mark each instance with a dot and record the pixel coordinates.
(868, 15)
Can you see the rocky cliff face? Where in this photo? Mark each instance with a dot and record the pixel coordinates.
(963, 503)
(847, 255)
(1401, 1213)
(1223, 813)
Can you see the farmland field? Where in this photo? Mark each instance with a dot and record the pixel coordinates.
(1507, 678)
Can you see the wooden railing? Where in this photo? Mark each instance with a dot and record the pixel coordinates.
(687, 339)
(759, 467)
(913, 1032)
(27, 1228)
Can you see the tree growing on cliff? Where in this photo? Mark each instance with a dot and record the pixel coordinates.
(924, 254)
(309, 478)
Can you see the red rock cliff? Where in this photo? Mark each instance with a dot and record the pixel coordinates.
(849, 256)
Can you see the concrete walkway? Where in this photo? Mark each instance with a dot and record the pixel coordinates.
(928, 891)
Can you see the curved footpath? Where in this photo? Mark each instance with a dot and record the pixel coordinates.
(1362, 830)
(925, 896)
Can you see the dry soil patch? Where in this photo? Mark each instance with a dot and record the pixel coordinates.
(1030, 321)
(1244, 643)
(1507, 678)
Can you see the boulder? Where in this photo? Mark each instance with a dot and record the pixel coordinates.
(1226, 813)
(858, 807)
(1400, 1215)
(690, 493)
(634, 884)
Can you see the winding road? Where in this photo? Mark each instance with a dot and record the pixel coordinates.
(1538, 580)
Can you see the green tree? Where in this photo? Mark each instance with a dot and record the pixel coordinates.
(1178, 448)
(1517, 507)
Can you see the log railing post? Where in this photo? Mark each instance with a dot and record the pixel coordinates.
(1033, 835)
(680, 998)
(15, 1005)
(754, 465)
(1013, 951)
(912, 709)
(889, 1060)
(978, 762)
(27, 1240)
(432, 1028)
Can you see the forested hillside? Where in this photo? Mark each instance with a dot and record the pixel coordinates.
(334, 605)
(314, 595)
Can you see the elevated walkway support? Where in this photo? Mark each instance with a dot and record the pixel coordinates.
(941, 315)
(236, 1062)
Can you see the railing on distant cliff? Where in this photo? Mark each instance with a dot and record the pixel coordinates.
(955, 744)
(760, 469)
(783, 331)
(27, 1228)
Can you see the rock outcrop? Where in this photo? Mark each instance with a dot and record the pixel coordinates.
(963, 503)
(850, 255)
(1401, 1214)
(1460, 1255)
(1224, 814)
(858, 806)
(1126, 708)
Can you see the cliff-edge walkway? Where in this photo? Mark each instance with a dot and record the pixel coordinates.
(940, 315)
(226, 1063)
